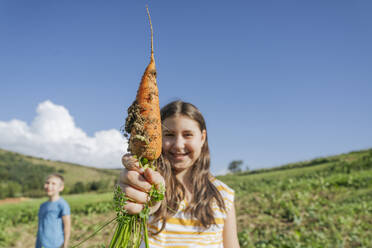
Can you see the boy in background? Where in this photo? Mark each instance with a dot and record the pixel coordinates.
(54, 224)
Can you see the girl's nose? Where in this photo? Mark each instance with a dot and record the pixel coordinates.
(179, 142)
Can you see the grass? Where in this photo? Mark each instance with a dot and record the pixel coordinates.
(18, 221)
(306, 204)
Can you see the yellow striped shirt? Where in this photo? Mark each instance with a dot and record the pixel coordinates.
(181, 231)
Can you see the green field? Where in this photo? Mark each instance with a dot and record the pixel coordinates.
(325, 202)
(320, 203)
(88, 212)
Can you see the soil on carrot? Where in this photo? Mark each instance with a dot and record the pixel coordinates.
(134, 120)
(135, 126)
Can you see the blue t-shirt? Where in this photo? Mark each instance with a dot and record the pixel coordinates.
(50, 228)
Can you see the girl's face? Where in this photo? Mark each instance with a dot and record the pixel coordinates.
(182, 141)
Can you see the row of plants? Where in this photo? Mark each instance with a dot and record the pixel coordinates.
(325, 205)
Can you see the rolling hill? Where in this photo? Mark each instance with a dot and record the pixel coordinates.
(22, 175)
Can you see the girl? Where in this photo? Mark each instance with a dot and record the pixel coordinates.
(198, 210)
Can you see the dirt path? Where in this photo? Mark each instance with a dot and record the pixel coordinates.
(13, 200)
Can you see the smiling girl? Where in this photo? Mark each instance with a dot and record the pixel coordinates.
(198, 210)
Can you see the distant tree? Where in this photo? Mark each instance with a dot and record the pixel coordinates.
(78, 188)
(14, 189)
(95, 185)
(3, 192)
(100, 186)
(235, 166)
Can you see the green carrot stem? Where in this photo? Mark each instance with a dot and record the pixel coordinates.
(138, 239)
(138, 233)
(145, 232)
(99, 229)
(116, 236)
(122, 238)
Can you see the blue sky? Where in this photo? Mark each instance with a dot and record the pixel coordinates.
(277, 81)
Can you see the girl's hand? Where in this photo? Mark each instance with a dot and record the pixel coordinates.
(136, 183)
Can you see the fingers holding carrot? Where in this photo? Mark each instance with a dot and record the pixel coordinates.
(137, 185)
(131, 163)
(133, 208)
(139, 178)
(134, 179)
(155, 178)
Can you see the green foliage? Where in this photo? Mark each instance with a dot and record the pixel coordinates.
(22, 175)
(325, 202)
(119, 202)
(132, 229)
(100, 186)
(26, 212)
(10, 189)
(157, 195)
(318, 205)
(16, 171)
(235, 166)
(78, 188)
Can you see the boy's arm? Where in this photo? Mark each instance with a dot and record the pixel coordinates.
(66, 229)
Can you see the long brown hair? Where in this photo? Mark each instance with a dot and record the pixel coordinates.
(204, 193)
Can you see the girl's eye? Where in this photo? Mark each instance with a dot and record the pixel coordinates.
(168, 134)
(188, 134)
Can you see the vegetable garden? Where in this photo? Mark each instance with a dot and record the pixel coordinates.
(307, 204)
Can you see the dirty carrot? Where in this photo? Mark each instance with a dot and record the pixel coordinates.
(143, 124)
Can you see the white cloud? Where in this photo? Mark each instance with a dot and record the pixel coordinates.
(54, 135)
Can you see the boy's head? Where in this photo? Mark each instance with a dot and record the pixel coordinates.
(54, 184)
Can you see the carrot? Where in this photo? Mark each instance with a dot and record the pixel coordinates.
(144, 126)
(144, 121)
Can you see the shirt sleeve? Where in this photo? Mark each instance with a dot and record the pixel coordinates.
(65, 209)
(227, 194)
